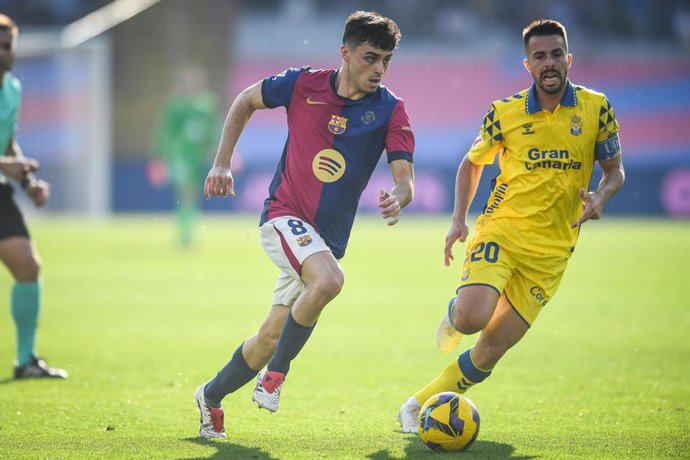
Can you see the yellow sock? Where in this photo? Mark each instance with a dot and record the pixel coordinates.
(458, 376)
(446, 381)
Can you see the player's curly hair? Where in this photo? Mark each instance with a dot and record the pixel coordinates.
(542, 27)
(371, 28)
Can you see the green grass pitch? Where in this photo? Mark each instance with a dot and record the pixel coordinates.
(138, 323)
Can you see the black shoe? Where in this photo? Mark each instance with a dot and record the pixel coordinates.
(38, 369)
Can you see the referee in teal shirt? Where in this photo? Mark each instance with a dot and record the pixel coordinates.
(17, 252)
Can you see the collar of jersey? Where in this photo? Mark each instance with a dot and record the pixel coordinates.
(346, 100)
(532, 105)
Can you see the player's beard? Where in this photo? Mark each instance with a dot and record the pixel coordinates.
(563, 77)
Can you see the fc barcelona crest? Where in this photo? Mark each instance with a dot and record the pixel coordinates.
(575, 126)
(337, 125)
(304, 240)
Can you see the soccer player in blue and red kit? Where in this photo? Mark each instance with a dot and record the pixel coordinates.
(339, 123)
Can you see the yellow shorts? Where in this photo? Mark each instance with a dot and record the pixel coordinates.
(529, 280)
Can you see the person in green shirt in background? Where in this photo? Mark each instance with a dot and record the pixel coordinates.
(187, 130)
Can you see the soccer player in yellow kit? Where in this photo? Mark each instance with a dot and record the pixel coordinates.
(547, 139)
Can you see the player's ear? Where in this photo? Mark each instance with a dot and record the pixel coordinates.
(345, 53)
(525, 62)
(569, 57)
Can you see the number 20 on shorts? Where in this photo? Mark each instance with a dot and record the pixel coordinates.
(487, 251)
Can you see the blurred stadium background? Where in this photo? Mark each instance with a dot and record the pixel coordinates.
(90, 105)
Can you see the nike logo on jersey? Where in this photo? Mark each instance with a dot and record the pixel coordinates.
(311, 101)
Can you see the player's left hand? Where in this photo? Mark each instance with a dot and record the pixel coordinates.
(39, 192)
(219, 182)
(592, 206)
(390, 207)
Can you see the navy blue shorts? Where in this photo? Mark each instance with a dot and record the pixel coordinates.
(11, 219)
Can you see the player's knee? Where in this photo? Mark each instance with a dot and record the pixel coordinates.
(329, 285)
(28, 270)
(468, 321)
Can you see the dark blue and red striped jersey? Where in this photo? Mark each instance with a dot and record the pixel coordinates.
(333, 146)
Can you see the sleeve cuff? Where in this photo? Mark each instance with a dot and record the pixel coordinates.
(399, 155)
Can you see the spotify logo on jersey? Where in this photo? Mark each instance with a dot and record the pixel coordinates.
(328, 165)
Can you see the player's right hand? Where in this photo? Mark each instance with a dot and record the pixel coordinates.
(18, 167)
(458, 232)
(219, 182)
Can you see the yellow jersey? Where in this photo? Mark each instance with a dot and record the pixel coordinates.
(544, 159)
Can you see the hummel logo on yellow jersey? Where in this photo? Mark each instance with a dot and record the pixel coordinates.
(311, 101)
(527, 128)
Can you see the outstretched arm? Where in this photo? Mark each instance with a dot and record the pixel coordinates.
(391, 203)
(611, 181)
(466, 182)
(219, 181)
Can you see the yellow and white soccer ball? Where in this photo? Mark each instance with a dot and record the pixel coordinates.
(448, 422)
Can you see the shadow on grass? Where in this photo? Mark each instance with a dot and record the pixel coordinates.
(225, 449)
(415, 448)
(12, 380)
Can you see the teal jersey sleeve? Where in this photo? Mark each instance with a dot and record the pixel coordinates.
(10, 99)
